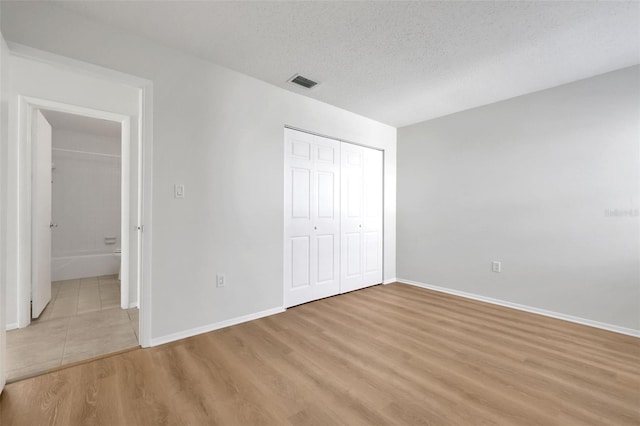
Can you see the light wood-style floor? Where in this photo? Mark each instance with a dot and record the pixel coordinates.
(385, 355)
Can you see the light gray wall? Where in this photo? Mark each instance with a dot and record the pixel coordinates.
(220, 133)
(528, 182)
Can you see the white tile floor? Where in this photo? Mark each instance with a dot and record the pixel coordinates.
(82, 321)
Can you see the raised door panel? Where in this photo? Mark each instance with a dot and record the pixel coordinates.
(352, 159)
(300, 193)
(299, 271)
(326, 259)
(351, 218)
(326, 168)
(353, 254)
(300, 262)
(371, 251)
(353, 187)
(353, 156)
(326, 193)
(327, 152)
(372, 185)
(300, 147)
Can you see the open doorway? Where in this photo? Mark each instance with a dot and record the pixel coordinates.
(79, 197)
(86, 212)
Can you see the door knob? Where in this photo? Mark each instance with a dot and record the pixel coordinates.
(53, 225)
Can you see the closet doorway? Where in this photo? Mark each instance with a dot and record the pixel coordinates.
(333, 217)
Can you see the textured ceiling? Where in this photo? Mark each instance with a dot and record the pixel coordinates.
(82, 124)
(396, 62)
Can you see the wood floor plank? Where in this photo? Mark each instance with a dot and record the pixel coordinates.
(384, 355)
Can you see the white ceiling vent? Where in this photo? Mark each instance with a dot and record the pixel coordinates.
(302, 81)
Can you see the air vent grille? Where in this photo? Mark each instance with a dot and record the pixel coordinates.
(302, 81)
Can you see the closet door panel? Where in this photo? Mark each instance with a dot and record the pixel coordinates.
(312, 227)
(362, 176)
(298, 193)
(351, 217)
(372, 218)
(326, 217)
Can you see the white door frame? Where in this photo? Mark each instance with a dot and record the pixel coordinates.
(28, 105)
(144, 146)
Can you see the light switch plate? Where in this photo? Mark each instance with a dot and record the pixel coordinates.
(178, 190)
(220, 280)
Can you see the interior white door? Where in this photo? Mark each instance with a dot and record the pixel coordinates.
(131, 216)
(312, 217)
(361, 217)
(41, 223)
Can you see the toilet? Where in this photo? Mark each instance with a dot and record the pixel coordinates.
(118, 252)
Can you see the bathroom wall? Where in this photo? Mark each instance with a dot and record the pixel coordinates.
(85, 204)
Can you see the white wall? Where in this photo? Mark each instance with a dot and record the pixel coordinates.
(220, 133)
(4, 118)
(78, 140)
(86, 193)
(527, 182)
(85, 204)
(42, 80)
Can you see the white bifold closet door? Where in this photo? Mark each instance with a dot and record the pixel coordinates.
(361, 217)
(333, 217)
(312, 217)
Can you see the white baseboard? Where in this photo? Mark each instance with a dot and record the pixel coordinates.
(11, 326)
(215, 326)
(389, 281)
(570, 318)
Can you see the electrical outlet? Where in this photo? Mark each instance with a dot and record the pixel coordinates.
(220, 281)
(496, 266)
